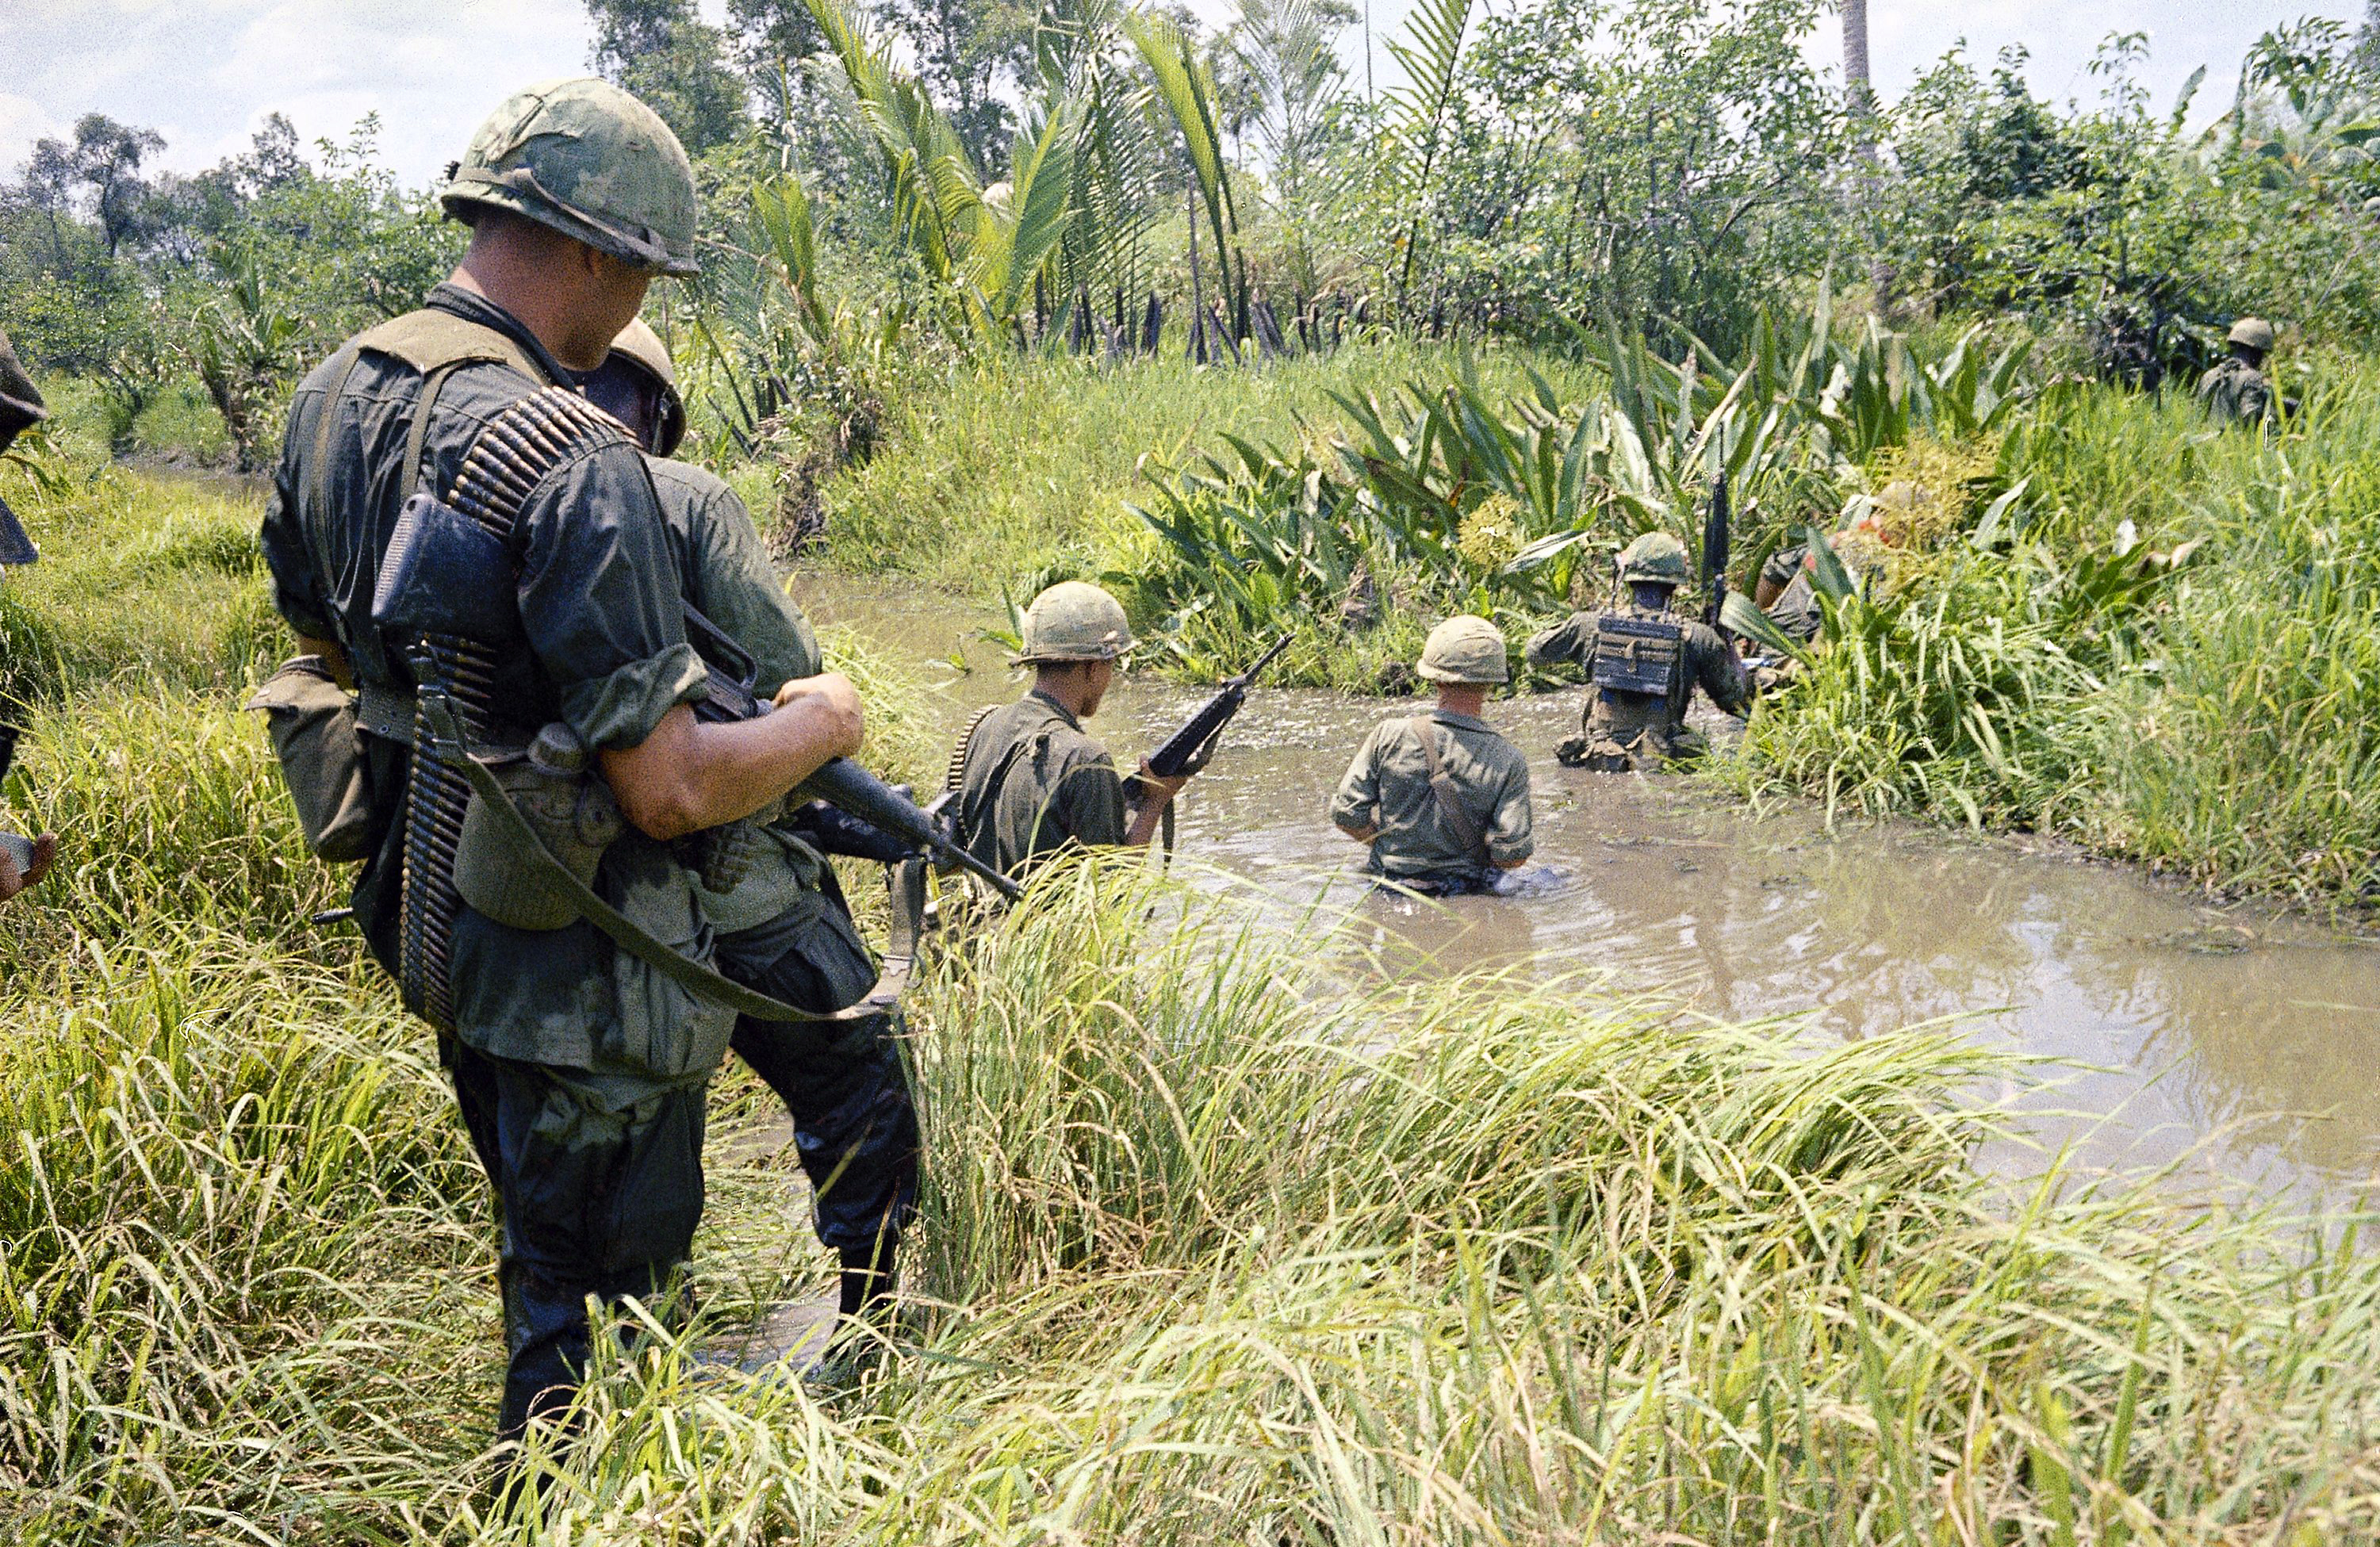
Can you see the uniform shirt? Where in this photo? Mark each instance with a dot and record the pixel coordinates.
(600, 601)
(2235, 392)
(1388, 787)
(1706, 656)
(1795, 611)
(731, 582)
(1033, 785)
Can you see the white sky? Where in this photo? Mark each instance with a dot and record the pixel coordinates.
(205, 72)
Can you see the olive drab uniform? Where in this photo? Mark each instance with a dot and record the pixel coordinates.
(1643, 665)
(1032, 783)
(20, 408)
(579, 1069)
(1449, 799)
(783, 927)
(1795, 611)
(2233, 392)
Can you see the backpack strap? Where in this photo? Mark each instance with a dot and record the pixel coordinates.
(1441, 784)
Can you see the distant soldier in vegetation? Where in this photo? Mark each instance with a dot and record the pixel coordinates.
(580, 1069)
(1031, 783)
(783, 927)
(23, 861)
(1642, 662)
(1442, 798)
(2234, 391)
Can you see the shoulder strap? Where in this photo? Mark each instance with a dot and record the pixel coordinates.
(1441, 784)
(430, 338)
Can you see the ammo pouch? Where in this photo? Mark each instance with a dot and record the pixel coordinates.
(312, 722)
(573, 814)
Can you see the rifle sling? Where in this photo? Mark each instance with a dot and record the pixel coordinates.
(901, 950)
(1441, 784)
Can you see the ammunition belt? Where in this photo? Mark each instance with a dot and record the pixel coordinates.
(512, 454)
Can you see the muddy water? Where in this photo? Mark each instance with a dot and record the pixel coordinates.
(2242, 1042)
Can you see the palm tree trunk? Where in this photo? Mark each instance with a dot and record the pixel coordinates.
(1858, 93)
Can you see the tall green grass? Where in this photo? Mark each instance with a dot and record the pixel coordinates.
(2218, 724)
(1015, 470)
(1217, 1251)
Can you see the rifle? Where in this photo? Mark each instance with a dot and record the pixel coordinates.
(1715, 546)
(1187, 749)
(840, 783)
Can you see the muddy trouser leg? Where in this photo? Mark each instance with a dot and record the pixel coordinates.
(855, 1125)
(592, 1201)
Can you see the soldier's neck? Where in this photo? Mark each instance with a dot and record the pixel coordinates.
(548, 310)
(1461, 699)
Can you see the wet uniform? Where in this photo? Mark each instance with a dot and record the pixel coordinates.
(783, 928)
(1420, 843)
(580, 1071)
(1033, 783)
(1795, 611)
(1623, 729)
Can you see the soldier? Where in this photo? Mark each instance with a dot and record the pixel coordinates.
(23, 861)
(580, 1067)
(783, 927)
(1441, 798)
(1643, 661)
(2234, 390)
(1031, 783)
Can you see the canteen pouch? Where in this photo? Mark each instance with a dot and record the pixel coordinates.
(573, 813)
(312, 722)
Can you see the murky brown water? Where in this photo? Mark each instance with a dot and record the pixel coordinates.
(2245, 1039)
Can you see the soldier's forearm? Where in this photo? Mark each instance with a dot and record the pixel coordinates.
(1361, 832)
(688, 776)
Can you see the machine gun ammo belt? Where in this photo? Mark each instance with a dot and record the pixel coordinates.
(453, 709)
(512, 454)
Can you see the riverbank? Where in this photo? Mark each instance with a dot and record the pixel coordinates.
(1212, 1249)
(2162, 645)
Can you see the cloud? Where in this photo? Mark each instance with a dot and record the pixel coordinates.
(206, 72)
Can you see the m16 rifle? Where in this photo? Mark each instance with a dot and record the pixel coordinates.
(1188, 749)
(840, 783)
(1716, 541)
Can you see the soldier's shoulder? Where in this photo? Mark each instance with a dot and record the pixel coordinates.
(685, 485)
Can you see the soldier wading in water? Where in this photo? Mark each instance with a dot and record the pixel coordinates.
(1030, 783)
(580, 1065)
(1643, 661)
(1441, 798)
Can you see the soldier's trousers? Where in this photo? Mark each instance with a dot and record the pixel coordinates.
(594, 1199)
(855, 1125)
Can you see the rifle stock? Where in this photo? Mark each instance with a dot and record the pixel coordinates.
(841, 783)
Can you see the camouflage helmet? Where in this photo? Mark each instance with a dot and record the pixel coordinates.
(2253, 331)
(1655, 558)
(589, 160)
(1465, 649)
(1074, 621)
(644, 352)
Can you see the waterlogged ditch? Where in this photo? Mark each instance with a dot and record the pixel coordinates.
(2234, 1040)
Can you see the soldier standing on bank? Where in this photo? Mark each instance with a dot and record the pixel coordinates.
(23, 861)
(1643, 662)
(783, 925)
(580, 1069)
(1031, 783)
(1441, 798)
(2235, 389)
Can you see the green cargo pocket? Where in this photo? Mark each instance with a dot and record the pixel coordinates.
(312, 721)
(664, 1028)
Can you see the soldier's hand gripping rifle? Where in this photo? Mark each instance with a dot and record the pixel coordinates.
(840, 783)
(1188, 749)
